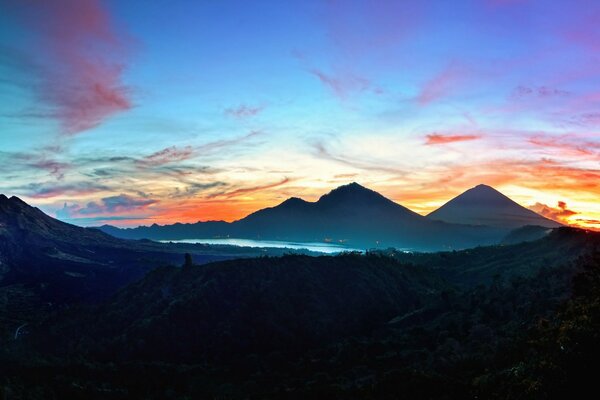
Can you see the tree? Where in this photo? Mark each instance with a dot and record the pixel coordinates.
(189, 262)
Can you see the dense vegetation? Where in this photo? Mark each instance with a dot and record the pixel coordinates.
(500, 322)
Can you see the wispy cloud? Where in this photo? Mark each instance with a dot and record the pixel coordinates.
(51, 189)
(522, 91)
(244, 111)
(55, 168)
(569, 145)
(437, 138)
(322, 152)
(224, 143)
(80, 61)
(168, 155)
(249, 189)
(362, 30)
(343, 85)
(108, 205)
(442, 84)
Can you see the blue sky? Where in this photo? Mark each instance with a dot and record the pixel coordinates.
(135, 112)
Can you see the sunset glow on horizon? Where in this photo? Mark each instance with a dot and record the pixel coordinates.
(135, 113)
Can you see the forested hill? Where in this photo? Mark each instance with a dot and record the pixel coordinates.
(451, 325)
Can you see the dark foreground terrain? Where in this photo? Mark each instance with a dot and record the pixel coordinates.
(505, 322)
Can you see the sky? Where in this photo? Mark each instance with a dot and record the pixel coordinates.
(136, 112)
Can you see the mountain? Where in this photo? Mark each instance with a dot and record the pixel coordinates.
(19, 221)
(46, 263)
(351, 214)
(484, 205)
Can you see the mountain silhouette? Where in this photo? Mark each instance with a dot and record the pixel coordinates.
(484, 205)
(19, 221)
(50, 261)
(350, 214)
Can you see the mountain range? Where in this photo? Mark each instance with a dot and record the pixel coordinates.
(46, 264)
(359, 217)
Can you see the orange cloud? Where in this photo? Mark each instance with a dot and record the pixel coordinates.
(560, 213)
(436, 138)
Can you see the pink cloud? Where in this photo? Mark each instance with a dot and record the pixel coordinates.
(436, 138)
(566, 144)
(83, 61)
(441, 84)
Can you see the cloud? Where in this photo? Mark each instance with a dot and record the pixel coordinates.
(566, 144)
(345, 84)
(251, 189)
(586, 119)
(560, 213)
(220, 144)
(169, 155)
(587, 222)
(322, 152)
(437, 138)
(365, 38)
(537, 91)
(51, 189)
(80, 61)
(108, 205)
(193, 188)
(44, 159)
(55, 168)
(244, 111)
(441, 84)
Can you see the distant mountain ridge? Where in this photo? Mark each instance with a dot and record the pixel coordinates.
(484, 205)
(350, 214)
(60, 263)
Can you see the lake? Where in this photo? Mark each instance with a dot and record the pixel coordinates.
(329, 248)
